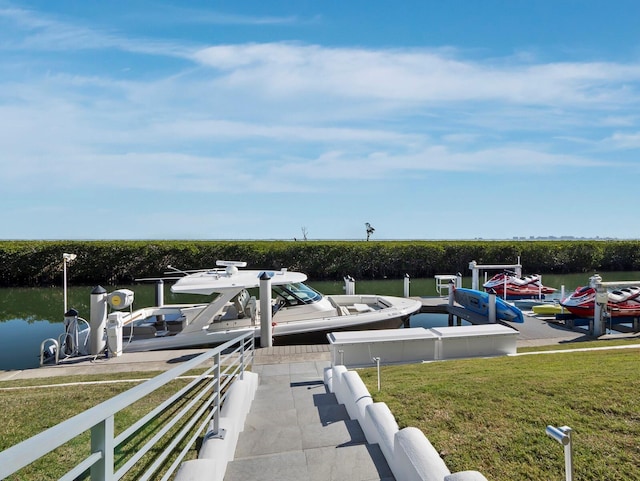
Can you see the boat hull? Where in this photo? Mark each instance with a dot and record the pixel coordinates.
(291, 331)
(320, 336)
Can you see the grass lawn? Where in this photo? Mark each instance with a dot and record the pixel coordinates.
(490, 415)
(32, 406)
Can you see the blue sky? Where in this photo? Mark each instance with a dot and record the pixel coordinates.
(266, 119)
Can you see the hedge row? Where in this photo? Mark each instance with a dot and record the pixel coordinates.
(39, 263)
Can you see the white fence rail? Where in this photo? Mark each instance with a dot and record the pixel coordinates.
(205, 394)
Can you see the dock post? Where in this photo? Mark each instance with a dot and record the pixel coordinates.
(160, 301)
(265, 311)
(406, 285)
(602, 298)
(451, 301)
(492, 309)
(349, 286)
(475, 281)
(98, 320)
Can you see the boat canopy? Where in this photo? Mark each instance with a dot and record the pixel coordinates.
(222, 280)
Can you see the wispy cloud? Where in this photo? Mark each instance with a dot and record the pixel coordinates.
(253, 111)
(28, 30)
(435, 76)
(621, 140)
(182, 15)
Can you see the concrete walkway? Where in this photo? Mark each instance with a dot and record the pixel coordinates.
(297, 430)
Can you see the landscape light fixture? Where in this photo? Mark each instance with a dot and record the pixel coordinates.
(66, 258)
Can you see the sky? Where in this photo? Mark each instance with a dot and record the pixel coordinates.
(141, 119)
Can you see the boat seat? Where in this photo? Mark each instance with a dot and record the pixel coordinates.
(230, 313)
(251, 309)
(341, 310)
(174, 326)
(240, 303)
(362, 307)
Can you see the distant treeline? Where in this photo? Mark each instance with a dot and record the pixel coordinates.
(39, 263)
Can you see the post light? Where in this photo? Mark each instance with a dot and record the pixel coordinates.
(377, 361)
(563, 436)
(66, 258)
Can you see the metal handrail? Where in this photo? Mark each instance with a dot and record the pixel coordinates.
(236, 355)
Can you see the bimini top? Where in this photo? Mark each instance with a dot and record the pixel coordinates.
(231, 278)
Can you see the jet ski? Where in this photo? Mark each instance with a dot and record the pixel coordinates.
(623, 302)
(517, 287)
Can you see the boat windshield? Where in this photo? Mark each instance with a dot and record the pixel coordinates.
(296, 293)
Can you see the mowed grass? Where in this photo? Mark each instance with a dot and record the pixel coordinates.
(32, 406)
(490, 415)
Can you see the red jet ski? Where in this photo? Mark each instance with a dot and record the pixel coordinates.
(526, 287)
(623, 302)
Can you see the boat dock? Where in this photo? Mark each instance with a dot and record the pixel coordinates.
(535, 331)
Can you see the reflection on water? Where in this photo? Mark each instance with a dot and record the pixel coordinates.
(30, 315)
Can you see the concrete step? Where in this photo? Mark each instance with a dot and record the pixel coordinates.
(349, 463)
(296, 430)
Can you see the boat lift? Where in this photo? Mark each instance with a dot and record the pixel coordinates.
(602, 299)
(476, 268)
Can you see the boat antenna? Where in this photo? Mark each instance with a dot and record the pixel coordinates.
(174, 269)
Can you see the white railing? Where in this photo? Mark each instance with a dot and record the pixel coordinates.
(199, 410)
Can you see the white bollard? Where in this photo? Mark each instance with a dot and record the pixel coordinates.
(406, 285)
(160, 300)
(98, 320)
(349, 286)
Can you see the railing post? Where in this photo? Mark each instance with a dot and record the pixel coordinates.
(216, 388)
(242, 344)
(102, 441)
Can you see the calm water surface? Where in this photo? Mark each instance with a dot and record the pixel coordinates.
(30, 315)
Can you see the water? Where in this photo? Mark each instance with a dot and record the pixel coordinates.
(30, 315)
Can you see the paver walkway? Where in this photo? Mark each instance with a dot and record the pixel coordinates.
(296, 430)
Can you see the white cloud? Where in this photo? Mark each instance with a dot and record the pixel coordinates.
(278, 117)
(624, 140)
(433, 76)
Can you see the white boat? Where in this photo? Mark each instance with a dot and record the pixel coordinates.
(296, 310)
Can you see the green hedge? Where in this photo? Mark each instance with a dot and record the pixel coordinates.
(39, 263)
